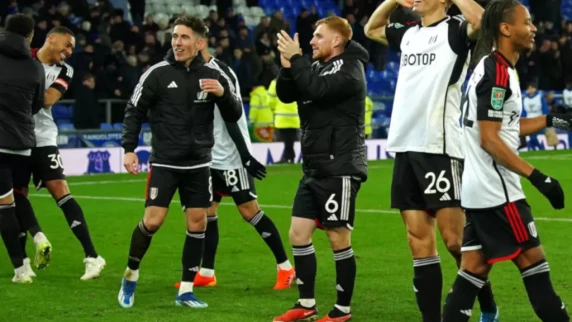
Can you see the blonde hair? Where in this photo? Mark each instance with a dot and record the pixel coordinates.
(339, 25)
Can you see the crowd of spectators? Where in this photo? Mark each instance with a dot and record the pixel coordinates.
(112, 52)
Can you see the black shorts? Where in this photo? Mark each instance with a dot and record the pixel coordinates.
(195, 187)
(46, 165)
(502, 233)
(236, 183)
(423, 181)
(329, 201)
(14, 172)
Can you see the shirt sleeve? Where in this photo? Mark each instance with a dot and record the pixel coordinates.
(64, 78)
(394, 33)
(458, 35)
(493, 91)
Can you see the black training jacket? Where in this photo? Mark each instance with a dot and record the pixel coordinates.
(331, 104)
(22, 80)
(180, 114)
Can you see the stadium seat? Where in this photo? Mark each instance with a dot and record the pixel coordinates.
(105, 126)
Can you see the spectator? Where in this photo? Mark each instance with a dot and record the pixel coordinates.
(86, 111)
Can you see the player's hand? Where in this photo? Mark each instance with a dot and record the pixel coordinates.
(405, 3)
(255, 168)
(287, 46)
(212, 86)
(284, 62)
(559, 121)
(131, 163)
(549, 187)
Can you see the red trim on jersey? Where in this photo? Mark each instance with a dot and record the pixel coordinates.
(34, 52)
(505, 258)
(516, 223)
(503, 60)
(148, 181)
(18, 191)
(502, 75)
(409, 23)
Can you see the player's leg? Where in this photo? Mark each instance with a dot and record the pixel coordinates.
(246, 200)
(533, 266)
(338, 195)
(161, 185)
(451, 221)
(9, 227)
(25, 213)
(206, 275)
(440, 178)
(407, 196)
(472, 276)
(195, 191)
(49, 173)
(304, 212)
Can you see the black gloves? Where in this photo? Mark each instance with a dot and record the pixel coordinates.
(549, 187)
(559, 121)
(255, 168)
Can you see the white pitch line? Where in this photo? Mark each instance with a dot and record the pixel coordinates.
(376, 211)
(86, 183)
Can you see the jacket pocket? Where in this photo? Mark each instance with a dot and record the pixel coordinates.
(317, 141)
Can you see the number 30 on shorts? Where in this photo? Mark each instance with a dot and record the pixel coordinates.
(438, 183)
(56, 161)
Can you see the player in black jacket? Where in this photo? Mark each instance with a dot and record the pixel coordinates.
(331, 98)
(178, 96)
(21, 96)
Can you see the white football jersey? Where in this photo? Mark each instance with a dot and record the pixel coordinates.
(426, 109)
(225, 155)
(567, 95)
(493, 94)
(46, 129)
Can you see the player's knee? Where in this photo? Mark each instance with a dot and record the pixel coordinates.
(422, 244)
(340, 238)
(453, 242)
(211, 212)
(248, 210)
(154, 218)
(196, 219)
(7, 198)
(299, 236)
(58, 188)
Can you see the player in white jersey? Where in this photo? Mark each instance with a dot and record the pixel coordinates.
(425, 134)
(232, 171)
(46, 163)
(500, 225)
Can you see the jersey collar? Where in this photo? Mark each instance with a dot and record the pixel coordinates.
(502, 59)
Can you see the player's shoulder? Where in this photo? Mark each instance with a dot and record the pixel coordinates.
(156, 70)
(455, 20)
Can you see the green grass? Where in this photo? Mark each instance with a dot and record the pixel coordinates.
(245, 267)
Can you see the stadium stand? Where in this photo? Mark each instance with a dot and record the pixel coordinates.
(116, 50)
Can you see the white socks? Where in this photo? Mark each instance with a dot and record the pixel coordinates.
(206, 272)
(131, 275)
(284, 266)
(186, 287)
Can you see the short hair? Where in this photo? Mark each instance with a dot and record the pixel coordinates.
(339, 25)
(20, 24)
(196, 24)
(62, 31)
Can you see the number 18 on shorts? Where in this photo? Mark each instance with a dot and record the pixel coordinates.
(328, 201)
